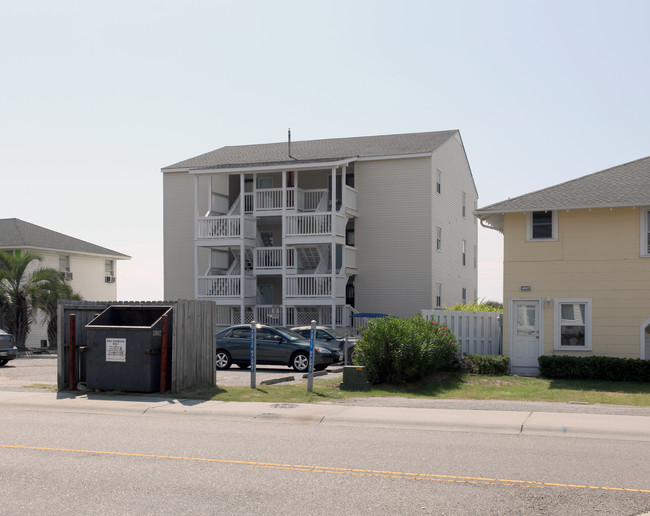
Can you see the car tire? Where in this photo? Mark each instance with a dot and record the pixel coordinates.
(300, 362)
(351, 354)
(223, 359)
(4, 361)
(243, 366)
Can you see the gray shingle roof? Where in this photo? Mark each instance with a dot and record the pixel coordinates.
(309, 151)
(18, 234)
(623, 185)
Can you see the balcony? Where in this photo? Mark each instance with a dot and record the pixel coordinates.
(314, 285)
(269, 260)
(270, 199)
(225, 227)
(227, 288)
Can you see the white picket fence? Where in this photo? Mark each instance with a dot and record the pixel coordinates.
(478, 333)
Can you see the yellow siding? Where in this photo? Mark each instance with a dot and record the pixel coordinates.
(595, 257)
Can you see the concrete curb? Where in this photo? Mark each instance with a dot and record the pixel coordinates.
(593, 426)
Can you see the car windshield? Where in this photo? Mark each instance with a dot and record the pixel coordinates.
(288, 334)
(336, 332)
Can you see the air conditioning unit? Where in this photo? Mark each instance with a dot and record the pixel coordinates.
(67, 275)
(109, 279)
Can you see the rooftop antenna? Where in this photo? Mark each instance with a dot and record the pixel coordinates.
(289, 141)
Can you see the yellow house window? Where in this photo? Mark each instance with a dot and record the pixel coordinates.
(541, 225)
(573, 324)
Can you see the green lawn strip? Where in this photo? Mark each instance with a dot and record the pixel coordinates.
(446, 386)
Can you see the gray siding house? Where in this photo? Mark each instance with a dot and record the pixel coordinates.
(288, 232)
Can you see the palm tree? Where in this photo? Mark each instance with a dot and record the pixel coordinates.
(47, 302)
(21, 293)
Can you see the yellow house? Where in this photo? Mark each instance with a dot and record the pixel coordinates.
(576, 267)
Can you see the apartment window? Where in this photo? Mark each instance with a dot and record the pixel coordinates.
(109, 271)
(438, 295)
(439, 181)
(463, 296)
(464, 204)
(475, 257)
(645, 232)
(573, 324)
(438, 239)
(541, 225)
(464, 249)
(64, 266)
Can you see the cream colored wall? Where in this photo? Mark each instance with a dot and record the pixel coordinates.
(446, 212)
(596, 257)
(178, 235)
(393, 236)
(88, 280)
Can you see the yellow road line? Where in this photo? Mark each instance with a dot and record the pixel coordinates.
(341, 471)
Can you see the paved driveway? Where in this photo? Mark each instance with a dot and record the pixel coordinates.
(39, 371)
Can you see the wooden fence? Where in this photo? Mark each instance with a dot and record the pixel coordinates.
(478, 333)
(193, 344)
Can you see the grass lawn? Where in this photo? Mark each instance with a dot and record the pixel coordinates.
(445, 386)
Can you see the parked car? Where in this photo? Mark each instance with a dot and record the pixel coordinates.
(8, 350)
(331, 336)
(275, 346)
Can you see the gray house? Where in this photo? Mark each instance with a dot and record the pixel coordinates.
(294, 231)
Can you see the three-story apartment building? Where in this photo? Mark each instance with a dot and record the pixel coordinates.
(288, 232)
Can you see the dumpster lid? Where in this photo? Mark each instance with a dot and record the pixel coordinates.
(131, 316)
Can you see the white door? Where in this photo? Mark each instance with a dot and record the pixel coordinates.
(525, 337)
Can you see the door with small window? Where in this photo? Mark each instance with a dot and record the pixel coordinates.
(525, 341)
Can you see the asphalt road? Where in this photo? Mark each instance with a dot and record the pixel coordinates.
(61, 461)
(101, 454)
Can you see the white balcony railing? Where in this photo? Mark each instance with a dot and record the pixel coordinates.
(225, 286)
(270, 258)
(308, 285)
(309, 224)
(226, 226)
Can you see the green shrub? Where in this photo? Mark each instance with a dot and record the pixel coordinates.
(477, 306)
(396, 351)
(495, 365)
(594, 368)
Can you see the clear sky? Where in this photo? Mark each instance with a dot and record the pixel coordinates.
(96, 97)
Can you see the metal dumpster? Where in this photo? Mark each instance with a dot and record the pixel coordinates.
(123, 348)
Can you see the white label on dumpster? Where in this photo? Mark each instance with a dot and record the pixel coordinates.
(115, 350)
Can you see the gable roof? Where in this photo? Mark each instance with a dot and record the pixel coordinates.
(18, 234)
(314, 151)
(620, 186)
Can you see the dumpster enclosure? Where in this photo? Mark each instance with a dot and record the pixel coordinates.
(117, 345)
(125, 347)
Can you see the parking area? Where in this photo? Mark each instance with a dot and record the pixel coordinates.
(32, 372)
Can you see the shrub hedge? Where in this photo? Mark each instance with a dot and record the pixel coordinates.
(494, 365)
(396, 351)
(595, 368)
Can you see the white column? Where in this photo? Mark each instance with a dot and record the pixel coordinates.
(196, 234)
(242, 247)
(333, 247)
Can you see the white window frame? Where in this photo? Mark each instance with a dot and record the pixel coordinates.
(464, 204)
(438, 239)
(64, 263)
(463, 295)
(645, 232)
(438, 182)
(557, 323)
(464, 251)
(529, 227)
(438, 295)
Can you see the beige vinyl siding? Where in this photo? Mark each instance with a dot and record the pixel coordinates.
(393, 236)
(178, 235)
(595, 257)
(87, 280)
(446, 213)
